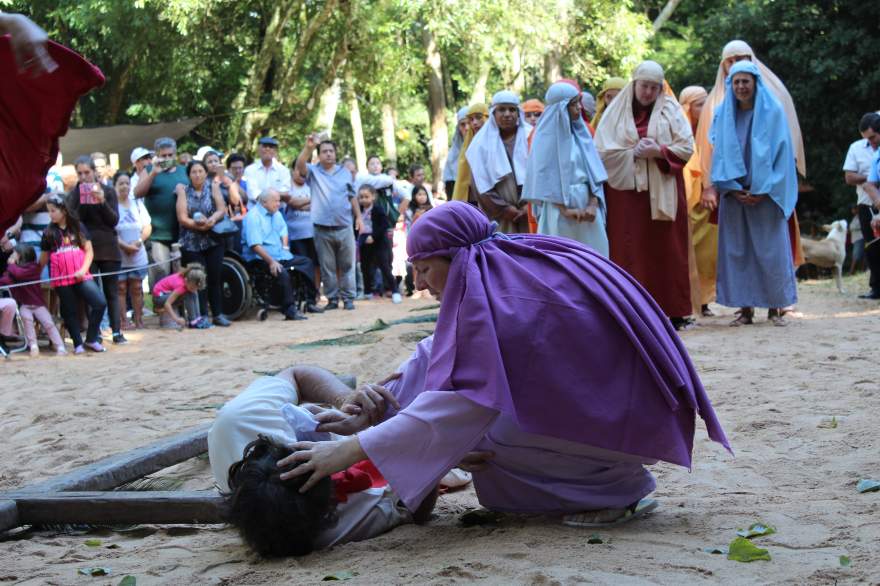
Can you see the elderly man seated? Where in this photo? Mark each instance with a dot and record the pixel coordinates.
(265, 236)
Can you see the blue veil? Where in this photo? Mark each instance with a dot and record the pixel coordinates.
(549, 167)
(772, 156)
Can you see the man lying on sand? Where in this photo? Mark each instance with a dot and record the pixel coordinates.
(253, 433)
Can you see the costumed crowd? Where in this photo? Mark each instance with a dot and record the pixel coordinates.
(578, 235)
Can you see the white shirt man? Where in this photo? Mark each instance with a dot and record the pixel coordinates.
(858, 160)
(267, 172)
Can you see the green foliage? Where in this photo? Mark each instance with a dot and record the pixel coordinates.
(169, 59)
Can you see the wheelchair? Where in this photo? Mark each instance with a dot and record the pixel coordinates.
(246, 286)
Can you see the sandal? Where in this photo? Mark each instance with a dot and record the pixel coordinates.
(682, 323)
(744, 317)
(776, 316)
(706, 312)
(590, 518)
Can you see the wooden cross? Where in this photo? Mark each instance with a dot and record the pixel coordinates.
(86, 495)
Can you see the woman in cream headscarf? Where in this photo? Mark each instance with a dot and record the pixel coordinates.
(610, 89)
(645, 141)
(704, 234)
(464, 191)
(737, 51)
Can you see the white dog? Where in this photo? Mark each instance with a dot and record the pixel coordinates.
(829, 252)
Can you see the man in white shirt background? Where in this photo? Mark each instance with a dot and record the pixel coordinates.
(856, 167)
(267, 172)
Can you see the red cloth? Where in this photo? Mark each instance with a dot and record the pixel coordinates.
(34, 114)
(655, 253)
(356, 478)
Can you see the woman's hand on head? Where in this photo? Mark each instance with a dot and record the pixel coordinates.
(321, 459)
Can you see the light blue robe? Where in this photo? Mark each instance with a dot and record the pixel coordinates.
(755, 266)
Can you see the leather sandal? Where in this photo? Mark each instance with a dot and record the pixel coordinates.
(745, 317)
(776, 316)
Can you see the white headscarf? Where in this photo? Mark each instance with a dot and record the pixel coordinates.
(451, 168)
(716, 96)
(486, 154)
(617, 136)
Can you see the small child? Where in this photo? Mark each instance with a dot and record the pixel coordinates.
(23, 267)
(374, 246)
(421, 202)
(182, 288)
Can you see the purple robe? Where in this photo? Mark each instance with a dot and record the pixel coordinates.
(551, 338)
(529, 473)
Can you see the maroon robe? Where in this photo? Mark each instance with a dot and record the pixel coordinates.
(34, 113)
(654, 252)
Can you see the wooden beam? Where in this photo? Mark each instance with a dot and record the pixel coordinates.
(8, 515)
(116, 470)
(120, 507)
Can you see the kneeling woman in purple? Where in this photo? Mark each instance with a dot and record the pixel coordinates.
(548, 360)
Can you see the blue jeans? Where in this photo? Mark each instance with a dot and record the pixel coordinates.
(70, 295)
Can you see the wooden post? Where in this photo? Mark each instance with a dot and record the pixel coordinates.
(116, 470)
(120, 507)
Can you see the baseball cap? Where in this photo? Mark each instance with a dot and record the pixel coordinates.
(139, 153)
(269, 140)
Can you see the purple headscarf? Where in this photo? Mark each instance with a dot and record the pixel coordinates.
(553, 334)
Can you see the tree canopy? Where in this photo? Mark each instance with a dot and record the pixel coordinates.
(389, 74)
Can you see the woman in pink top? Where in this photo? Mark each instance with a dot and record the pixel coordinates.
(67, 249)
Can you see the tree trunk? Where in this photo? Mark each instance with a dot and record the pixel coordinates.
(243, 128)
(478, 96)
(117, 91)
(552, 67)
(283, 92)
(329, 105)
(357, 129)
(519, 77)
(389, 141)
(665, 14)
(436, 106)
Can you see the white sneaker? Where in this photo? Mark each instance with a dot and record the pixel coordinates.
(396, 298)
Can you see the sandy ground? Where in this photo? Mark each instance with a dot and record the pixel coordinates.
(776, 391)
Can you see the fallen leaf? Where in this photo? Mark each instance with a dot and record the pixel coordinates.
(829, 423)
(716, 550)
(344, 575)
(94, 571)
(845, 561)
(93, 542)
(866, 485)
(743, 550)
(594, 539)
(756, 530)
(128, 581)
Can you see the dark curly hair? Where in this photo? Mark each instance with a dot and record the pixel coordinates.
(272, 516)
